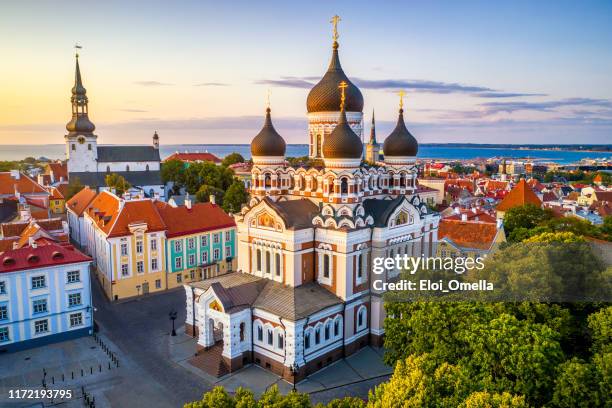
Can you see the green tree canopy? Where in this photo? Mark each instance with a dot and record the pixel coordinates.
(526, 216)
(232, 158)
(205, 191)
(74, 186)
(118, 182)
(235, 196)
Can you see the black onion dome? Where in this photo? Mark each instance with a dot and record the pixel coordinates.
(268, 142)
(325, 96)
(400, 142)
(342, 142)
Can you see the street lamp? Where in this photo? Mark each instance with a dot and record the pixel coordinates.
(172, 316)
(295, 369)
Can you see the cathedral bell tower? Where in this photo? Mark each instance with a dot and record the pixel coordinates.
(81, 142)
(323, 99)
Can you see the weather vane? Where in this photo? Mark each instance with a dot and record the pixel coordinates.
(343, 85)
(334, 21)
(401, 94)
(77, 47)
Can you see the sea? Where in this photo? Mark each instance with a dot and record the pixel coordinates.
(426, 151)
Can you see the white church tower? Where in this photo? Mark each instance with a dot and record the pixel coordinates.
(81, 142)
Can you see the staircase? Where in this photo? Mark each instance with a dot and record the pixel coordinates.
(211, 361)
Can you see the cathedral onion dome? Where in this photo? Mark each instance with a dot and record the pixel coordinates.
(400, 143)
(268, 143)
(325, 95)
(80, 122)
(342, 142)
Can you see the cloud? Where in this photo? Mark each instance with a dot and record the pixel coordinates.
(287, 82)
(506, 94)
(418, 85)
(545, 106)
(132, 110)
(152, 83)
(211, 84)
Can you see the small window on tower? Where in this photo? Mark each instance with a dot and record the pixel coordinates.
(73, 146)
(89, 146)
(127, 168)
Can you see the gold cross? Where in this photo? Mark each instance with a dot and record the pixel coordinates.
(334, 21)
(401, 94)
(268, 97)
(77, 47)
(343, 85)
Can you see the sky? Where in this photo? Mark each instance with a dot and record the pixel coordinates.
(200, 71)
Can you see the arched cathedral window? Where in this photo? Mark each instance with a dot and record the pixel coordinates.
(343, 186)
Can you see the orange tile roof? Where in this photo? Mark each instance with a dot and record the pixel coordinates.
(134, 212)
(13, 229)
(7, 244)
(191, 157)
(201, 217)
(496, 185)
(59, 170)
(24, 184)
(521, 194)
(79, 202)
(470, 234)
(115, 220)
(603, 196)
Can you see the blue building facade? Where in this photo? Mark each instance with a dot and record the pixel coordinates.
(45, 296)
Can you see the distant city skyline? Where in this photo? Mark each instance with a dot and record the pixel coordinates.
(198, 72)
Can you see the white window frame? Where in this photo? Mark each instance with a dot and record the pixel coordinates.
(139, 246)
(153, 244)
(216, 254)
(228, 251)
(73, 295)
(125, 270)
(2, 287)
(4, 312)
(154, 265)
(78, 319)
(37, 279)
(70, 276)
(178, 262)
(178, 245)
(215, 238)
(191, 260)
(124, 249)
(139, 266)
(191, 243)
(36, 304)
(42, 322)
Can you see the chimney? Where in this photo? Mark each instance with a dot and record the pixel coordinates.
(500, 223)
(156, 196)
(188, 201)
(31, 242)
(211, 198)
(15, 174)
(464, 217)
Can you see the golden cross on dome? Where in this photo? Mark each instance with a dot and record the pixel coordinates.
(343, 85)
(401, 94)
(77, 47)
(268, 98)
(334, 21)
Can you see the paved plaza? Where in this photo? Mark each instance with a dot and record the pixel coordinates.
(153, 368)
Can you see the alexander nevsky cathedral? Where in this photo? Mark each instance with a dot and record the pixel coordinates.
(302, 297)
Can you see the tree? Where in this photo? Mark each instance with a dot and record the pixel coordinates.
(173, 171)
(563, 237)
(118, 182)
(74, 186)
(606, 227)
(484, 399)
(235, 196)
(232, 158)
(205, 191)
(576, 385)
(600, 328)
(526, 216)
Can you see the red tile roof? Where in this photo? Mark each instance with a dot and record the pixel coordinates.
(193, 157)
(41, 256)
(520, 195)
(479, 215)
(496, 185)
(603, 196)
(79, 202)
(470, 234)
(13, 229)
(201, 217)
(24, 184)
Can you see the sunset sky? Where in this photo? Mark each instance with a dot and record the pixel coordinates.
(198, 71)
